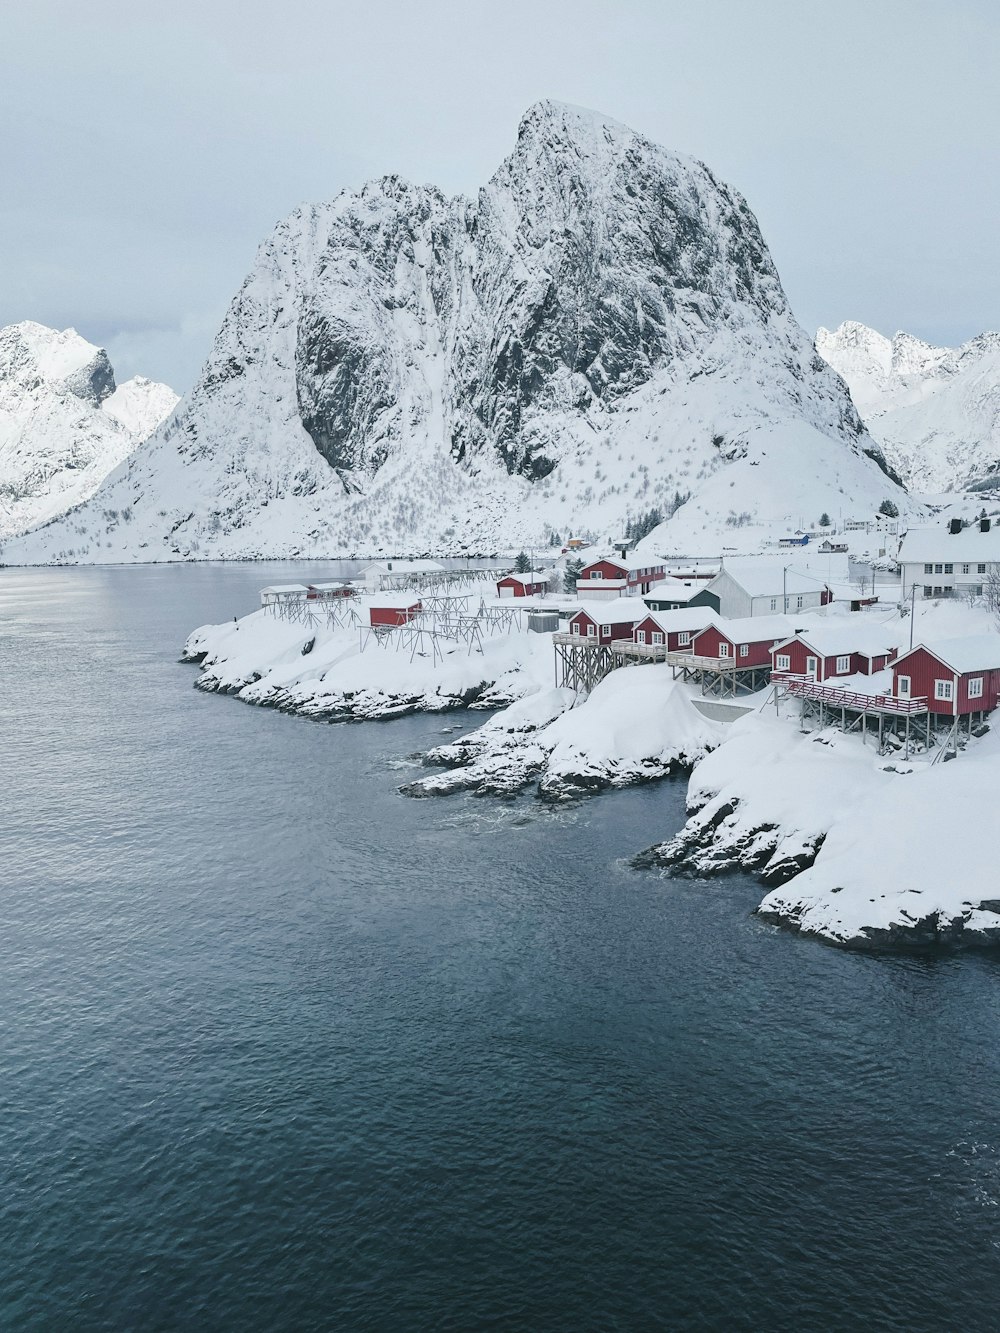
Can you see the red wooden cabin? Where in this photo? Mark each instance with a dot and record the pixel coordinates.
(673, 630)
(955, 676)
(747, 642)
(393, 609)
(521, 585)
(826, 653)
(609, 622)
(625, 576)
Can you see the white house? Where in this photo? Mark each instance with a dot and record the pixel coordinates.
(949, 559)
(371, 575)
(752, 587)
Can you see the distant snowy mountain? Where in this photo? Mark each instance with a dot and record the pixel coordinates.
(599, 333)
(64, 425)
(935, 411)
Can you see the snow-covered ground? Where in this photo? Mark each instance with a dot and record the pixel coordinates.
(322, 672)
(858, 849)
(855, 848)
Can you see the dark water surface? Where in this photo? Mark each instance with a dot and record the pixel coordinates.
(280, 1049)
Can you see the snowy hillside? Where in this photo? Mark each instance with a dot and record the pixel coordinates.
(935, 411)
(64, 425)
(599, 332)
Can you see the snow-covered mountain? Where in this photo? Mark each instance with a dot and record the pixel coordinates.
(64, 425)
(599, 332)
(935, 411)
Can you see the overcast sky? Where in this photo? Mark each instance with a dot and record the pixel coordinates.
(146, 149)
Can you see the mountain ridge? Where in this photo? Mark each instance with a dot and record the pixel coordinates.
(599, 331)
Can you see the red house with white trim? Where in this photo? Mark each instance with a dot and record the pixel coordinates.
(824, 653)
(521, 585)
(619, 576)
(673, 630)
(605, 624)
(745, 643)
(392, 609)
(956, 676)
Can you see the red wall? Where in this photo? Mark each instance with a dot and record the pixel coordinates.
(392, 615)
(924, 669)
(826, 667)
(621, 630)
(671, 638)
(706, 644)
(610, 570)
(520, 588)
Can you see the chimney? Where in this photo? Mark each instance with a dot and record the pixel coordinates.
(955, 526)
(984, 525)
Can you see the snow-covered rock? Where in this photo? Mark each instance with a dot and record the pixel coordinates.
(64, 424)
(637, 725)
(601, 331)
(935, 411)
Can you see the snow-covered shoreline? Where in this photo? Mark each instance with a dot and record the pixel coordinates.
(855, 848)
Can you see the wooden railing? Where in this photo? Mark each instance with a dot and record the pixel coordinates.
(804, 687)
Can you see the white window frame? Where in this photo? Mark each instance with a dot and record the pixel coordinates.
(844, 665)
(944, 691)
(605, 631)
(744, 650)
(812, 667)
(774, 603)
(903, 687)
(798, 603)
(723, 648)
(597, 573)
(591, 631)
(981, 569)
(976, 687)
(576, 627)
(783, 662)
(640, 636)
(683, 638)
(966, 569)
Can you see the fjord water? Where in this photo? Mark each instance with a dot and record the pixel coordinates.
(282, 1049)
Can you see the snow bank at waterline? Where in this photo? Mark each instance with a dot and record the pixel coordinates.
(859, 850)
(637, 725)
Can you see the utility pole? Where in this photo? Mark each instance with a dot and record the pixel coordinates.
(913, 608)
(784, 589)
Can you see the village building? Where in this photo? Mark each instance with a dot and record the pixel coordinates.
(750, 587)
(732, 656)
(374, 575)
(329, 592)
(674, 593)
(390, 610)
(618, 576)
(956, 677)
(605, 624)
(283, 594)
(522, 585)
(950, 559)
(826, 653)
(673, 630)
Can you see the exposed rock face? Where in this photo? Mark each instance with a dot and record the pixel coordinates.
(64, 424)
(601, 330)
(935, 411)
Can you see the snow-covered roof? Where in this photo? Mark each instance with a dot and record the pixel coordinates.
(329, 587)
(755, 629)
(394, 600)
(285, 588)
(926, 545)
(685, 617)
(631, 563)
(531, 576)
(623, 610)
(840, 640)
(768, 578)
(676, 590)
(977, 652)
